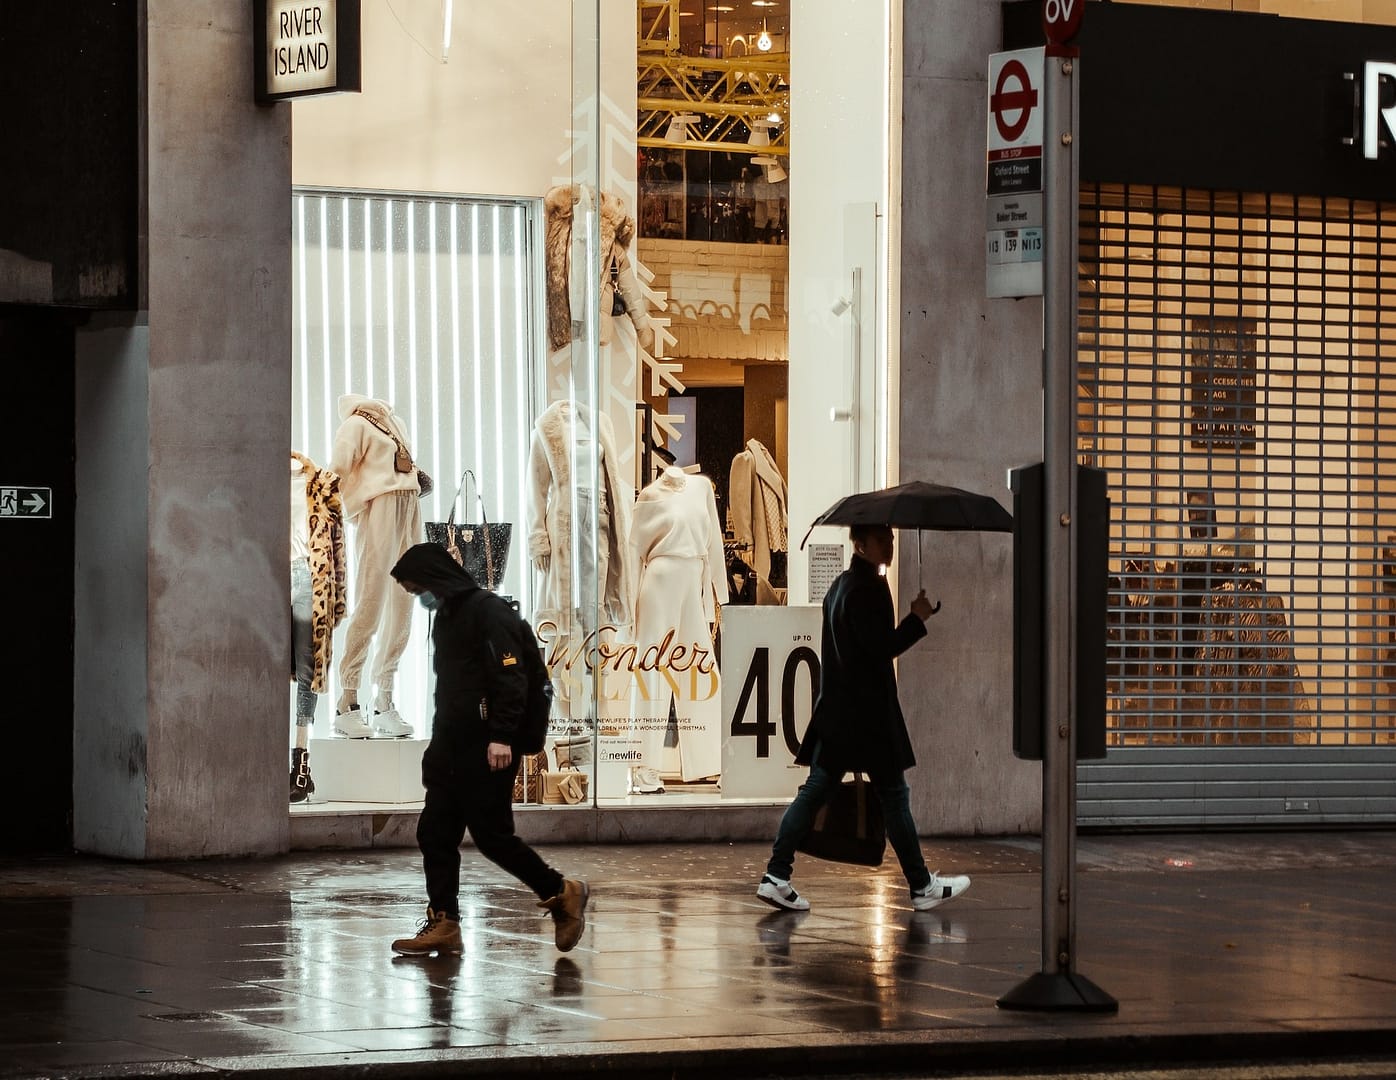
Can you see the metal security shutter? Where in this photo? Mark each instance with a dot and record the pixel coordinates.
(1238, 386)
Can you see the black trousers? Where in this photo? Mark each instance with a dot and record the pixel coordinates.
(469, 795)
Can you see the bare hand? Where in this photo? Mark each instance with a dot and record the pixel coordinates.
(921, 607)
(499, 755)
(540, 563)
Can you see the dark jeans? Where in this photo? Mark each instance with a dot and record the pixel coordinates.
(821, 786)
(471, 796)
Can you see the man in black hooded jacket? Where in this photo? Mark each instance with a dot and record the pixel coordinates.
(469, 766)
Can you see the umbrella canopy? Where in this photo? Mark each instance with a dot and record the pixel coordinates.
(919, 505)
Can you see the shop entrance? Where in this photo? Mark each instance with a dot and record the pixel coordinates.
(38, 547)
(1238, 386)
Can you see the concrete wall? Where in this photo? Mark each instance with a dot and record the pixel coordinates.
(970, 409)
(185, 423)
(110, 654)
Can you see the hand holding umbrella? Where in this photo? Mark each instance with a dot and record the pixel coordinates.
(922, 607)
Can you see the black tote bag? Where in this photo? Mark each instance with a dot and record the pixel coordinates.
(849, 829)
(481, 548)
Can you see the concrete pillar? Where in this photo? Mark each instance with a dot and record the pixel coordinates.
(182, 629)
(970, 408)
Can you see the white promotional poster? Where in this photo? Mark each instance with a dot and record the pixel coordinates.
(770, 665)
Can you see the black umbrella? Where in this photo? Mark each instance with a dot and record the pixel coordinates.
(919, 505)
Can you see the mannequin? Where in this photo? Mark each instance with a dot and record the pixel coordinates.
(381, 503)
(566, 247)
(757, 500)
(682, 579)
(575, 487)
(317, 600)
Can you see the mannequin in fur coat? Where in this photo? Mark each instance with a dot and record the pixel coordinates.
(563, 460)
(566, 293)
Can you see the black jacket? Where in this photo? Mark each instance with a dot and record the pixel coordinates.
(857, 722)
(481, 685)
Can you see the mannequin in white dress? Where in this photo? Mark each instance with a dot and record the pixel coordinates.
(678, 538)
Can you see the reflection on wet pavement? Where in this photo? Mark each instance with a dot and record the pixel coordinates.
(109, 964)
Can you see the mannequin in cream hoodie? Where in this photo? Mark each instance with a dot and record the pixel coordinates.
(381, 503)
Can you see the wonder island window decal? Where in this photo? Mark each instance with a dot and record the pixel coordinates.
(1221, 377)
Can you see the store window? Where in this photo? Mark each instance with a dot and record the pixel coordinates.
(546, 326)
(1238, 386)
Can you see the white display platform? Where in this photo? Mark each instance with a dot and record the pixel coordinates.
(367, 770)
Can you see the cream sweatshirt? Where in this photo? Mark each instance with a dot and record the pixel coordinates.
(363, 455)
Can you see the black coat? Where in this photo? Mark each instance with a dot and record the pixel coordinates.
(857, 722)
(481, 684)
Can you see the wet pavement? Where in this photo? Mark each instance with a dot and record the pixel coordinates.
(1217, 948)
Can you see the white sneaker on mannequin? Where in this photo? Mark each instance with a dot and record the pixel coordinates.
(352, 725)
(389, 724)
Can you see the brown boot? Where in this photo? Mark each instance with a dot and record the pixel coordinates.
(436, 934)
(568, 909)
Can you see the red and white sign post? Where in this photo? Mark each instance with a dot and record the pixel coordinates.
(1013, 175)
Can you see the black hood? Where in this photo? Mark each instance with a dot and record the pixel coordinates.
(428, 566)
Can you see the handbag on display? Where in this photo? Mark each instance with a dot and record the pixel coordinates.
(848, 829)
(564, 786)
(617, 301)
(481, 548)
(528, 781)
(572, 751)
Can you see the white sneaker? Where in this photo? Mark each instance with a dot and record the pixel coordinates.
(352, 725)
(779, 894)
(389, 724)
(943, 887)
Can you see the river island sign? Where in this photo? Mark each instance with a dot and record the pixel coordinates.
(304, 48)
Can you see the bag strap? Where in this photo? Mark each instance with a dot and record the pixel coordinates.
(860, 788)
(469, 475)
(383, 428)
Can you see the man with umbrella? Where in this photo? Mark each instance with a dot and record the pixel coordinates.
(857, 724)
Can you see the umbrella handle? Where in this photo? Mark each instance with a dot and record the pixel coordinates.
(935, 607)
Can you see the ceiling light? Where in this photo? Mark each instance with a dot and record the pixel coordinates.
(677, 131)
(763, 41)
(760, 133)
(774, 173)
(773, 117)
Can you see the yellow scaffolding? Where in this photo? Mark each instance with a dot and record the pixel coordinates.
(729, 94)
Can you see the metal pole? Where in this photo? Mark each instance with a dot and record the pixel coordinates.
(1057, 986)
(1059, 505)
